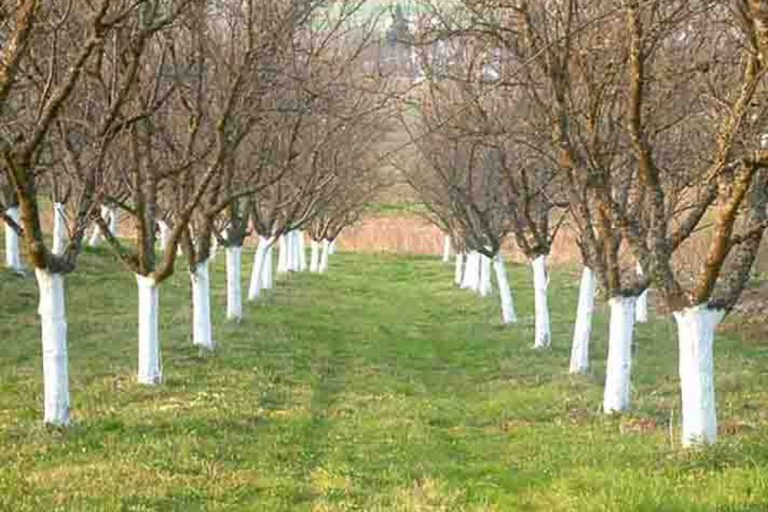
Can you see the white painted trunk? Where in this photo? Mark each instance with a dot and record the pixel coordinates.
(543, 336)
(446, 249)
(582, 331)
(471, 279)
(150, 366)
(294, 252)
(696, 333)
(485, 288)
(97, 236)
(458, 271)
(314, 258)
(165, 235)
(12, 243)
(114, 221)
(267, 276)
(59, 228)
(303, 265)
(255, 284)
(234, 283)
(508, 315)
(324, 256)
(215, 246)
(281, 254)
(53, 319)
(618, 367)
(202, 333)
(332, 247)
(641, 307)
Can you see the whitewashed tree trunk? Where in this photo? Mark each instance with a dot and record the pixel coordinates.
(59, 228)
(12, 243)
(53, 319)
(267, 276)
(294, 252)
(582, 331)
(458, 272)
(641, 307)
(446, 249)
(471, 277)
(282, 256)
(485, 288)
(256, 283)
(618, 367)
(202, 333)
(332, 247)
(696, 333)
(150, 366)
(114, 220)
(165, 235)
(234, 283)
(543, 336)
(215, 246)
(302, 251)
(508, 315)
(97, 236)
(314, 258)
(326, 247)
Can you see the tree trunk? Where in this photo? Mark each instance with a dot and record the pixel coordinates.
(234, 283)
(543, 337)
(97, 236)
(282, 256)
(314, 259)
(202, 334)
(12, 244)
(150, 366)
(332, 247)
(59, 229)
(471, 278)
(267, 277)
(302, 251)
(446, 249)
(324, 256)
(114, 221)
(582, 331)
(214, 247)
(259, 264)
(696, 332)
(641, 308)
(485, 288)
(165, 235)
(508, 315)
(293, 252)
(618, 367)
(458, 272)
(53, 318)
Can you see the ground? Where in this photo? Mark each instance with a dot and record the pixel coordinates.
(378, 386)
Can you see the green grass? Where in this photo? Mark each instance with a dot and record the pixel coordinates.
(401, 209)
(378, 386)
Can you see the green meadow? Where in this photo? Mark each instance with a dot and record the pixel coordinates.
(377, 386)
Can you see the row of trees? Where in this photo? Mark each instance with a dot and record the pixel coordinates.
(199, 121)
(636, 123)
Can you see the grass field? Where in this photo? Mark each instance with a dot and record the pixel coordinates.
(378, 386)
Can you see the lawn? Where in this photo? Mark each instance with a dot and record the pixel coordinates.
(378, 386)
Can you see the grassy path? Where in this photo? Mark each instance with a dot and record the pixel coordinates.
(378, 386)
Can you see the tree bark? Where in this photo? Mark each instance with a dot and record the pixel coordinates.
(53, 318)
(582, 332)
(543, 336)
(618, 367)
(150, 366)
(696, 332)
(508, 315)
